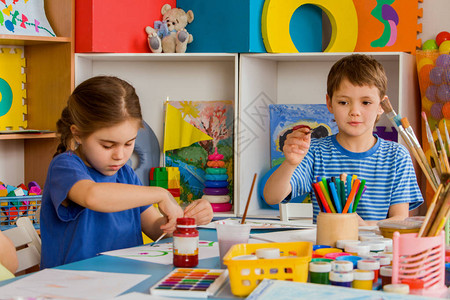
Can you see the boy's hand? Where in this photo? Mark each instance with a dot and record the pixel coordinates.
(201, 210)
(296, 145)
(170, 208)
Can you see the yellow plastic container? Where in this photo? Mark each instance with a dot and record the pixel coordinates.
(245, 275)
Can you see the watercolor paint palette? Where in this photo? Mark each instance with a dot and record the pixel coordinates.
(186, 282)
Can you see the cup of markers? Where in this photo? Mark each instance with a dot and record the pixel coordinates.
(339, 194)
(338, 199)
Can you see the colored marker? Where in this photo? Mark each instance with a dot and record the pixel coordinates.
(342, 183)
(319, 202)
(349, 188)
(326, 196)
(358, 196)
(321, 197)
(351, 196)
(337, 201)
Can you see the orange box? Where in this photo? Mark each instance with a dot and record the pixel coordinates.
(115, 26)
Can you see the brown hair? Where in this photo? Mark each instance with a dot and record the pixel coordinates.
(360, 70)
(96, 103)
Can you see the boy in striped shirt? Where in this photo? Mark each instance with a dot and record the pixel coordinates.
(356, 85)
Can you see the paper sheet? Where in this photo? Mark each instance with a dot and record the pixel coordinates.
(308, 235)
(140, 296)
(163, 253)
(66, 284)
(261, 224)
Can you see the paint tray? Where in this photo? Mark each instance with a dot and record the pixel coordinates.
(188, 282)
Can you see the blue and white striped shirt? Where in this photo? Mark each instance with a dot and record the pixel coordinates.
(386, 167)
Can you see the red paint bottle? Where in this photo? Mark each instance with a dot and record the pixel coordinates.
(185, 243)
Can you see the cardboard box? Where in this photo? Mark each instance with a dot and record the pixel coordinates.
(115, 26)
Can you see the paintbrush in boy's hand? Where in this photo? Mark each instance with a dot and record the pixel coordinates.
(304, 126)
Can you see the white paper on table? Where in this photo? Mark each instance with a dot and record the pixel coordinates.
(308, 235)
(261, 224)
(68, 284)
(140, 296)
(163, 253)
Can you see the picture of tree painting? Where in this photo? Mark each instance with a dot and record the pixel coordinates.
(215, 118)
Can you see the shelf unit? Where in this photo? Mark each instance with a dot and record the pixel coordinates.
(50, 80)
(252, 81)
(301, 78)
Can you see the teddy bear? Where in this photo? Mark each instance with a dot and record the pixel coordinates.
(170, 35)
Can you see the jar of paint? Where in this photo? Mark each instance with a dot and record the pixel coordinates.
(319, 272)
(376, 246)
(185, 243)
(322, 259)
(341, 243)
(357, 249)
(341, 266)
(363, 279)
(323, 251)
(332, 227)
(365, 238)
(315, 247)
(351, 258)
(370, 265)
(415, 285)
(386, 275)
(335, 255)
(267, 253)
(343, 279)
(399, 288)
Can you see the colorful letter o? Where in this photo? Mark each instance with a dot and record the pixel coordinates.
(6, 97)
(277, 14)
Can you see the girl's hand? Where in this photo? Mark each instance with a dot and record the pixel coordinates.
(170, 208)
(201, 210)
(296, 145)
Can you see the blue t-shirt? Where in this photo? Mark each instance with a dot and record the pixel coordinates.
(386, 167)
(71, 233)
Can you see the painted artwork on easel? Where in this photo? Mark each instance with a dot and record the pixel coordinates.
(24, 17)
(283, 117)
(214, 118)
(13, 110)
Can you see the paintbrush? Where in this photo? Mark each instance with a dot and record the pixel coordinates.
(431, 143)
(158, 239)
(390, 113)
(426, 222)
(442, 214)
(311, 130)
(418, 153)
(248, 200)
(443, 151)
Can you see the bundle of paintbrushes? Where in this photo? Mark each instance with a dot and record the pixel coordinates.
(439, 210)
(407, 133)
(339, 194)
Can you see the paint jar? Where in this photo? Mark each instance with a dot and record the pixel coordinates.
(335, 255)
(415, 285)
(365, 238)
(383, 259)
(357, 249)
(341, 243)
(343, 279)
(351, 258)
(387, 243)
(341, 266)
(386, 275)
(399, 288)
(376, 246)
(185, 243)
(319, 272)
(332, 227)
(267, 253)
(323, 251)
(322, 259)
(363, 279)
(370, 265)
(315, 247)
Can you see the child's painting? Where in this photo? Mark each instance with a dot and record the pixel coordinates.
(283, 117)
(25, 17)
(215, 118)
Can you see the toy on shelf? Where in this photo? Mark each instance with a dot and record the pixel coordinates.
(216, 184)
(170, 35)
(167, 178)
(19, 201)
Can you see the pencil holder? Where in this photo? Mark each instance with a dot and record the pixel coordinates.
(420, 258)
(334, 226)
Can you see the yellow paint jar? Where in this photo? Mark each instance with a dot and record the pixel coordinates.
(363, 279)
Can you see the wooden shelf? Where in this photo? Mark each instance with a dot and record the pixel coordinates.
(23, 136)
(25, 40)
